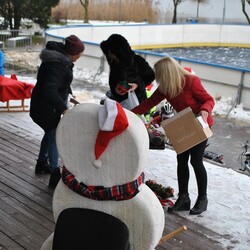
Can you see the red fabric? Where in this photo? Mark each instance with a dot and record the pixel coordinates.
(120, 192)
(12, 89)
(194, 96)
(156, 120)
(150, 86)
(14, 77)
(119, 125)
(188, 69)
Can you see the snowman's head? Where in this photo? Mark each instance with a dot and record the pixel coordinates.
(121, 161)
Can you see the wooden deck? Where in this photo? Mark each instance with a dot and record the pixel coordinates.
(26, 217)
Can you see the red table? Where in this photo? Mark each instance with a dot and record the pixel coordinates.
(12, 89)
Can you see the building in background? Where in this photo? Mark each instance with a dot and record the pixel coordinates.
(214, 11)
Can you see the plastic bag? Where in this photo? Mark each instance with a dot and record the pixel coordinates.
(131, 101)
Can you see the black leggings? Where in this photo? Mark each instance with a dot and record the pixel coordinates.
(196, 161)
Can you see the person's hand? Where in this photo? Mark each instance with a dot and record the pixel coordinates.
(133, 86)
(204, 115)
(120, 91)
(64, 111)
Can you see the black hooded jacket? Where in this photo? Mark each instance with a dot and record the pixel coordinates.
(50, 94)
(131, 67)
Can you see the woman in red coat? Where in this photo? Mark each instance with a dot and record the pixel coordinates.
(183, 89)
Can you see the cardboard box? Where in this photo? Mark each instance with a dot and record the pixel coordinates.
(184, 130)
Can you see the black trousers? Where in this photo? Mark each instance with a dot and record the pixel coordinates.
(196, 159)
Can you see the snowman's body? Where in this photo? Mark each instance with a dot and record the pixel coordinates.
(122, 161)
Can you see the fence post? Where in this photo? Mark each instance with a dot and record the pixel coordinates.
(240, 88)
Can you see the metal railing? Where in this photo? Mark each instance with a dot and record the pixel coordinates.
(15, 39)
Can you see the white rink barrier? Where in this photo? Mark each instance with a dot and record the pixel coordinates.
(220, 81)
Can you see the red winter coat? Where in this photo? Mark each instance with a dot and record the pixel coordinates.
(193, 95)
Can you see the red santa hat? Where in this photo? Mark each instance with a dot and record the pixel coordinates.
(190, 70)
(112, 122)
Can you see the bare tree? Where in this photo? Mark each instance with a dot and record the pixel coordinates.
(37, 10)
(198, 5)
(243, 3)
(176, 3)
(85, 4)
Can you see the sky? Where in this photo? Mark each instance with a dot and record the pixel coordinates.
(228, 211)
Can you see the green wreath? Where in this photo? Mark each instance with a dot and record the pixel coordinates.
(160, 191)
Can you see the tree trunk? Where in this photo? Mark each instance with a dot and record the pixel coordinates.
(86, 10)
(198, 7)
(244, 10)
(86, 17)
(174, 20)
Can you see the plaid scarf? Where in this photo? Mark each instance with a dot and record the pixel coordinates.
(118, 193)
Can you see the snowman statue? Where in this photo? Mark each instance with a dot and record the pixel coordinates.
(106, 145)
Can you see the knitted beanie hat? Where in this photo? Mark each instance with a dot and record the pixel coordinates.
(73, 45)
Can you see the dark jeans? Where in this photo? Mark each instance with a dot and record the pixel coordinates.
(196, 153)
(48, 149)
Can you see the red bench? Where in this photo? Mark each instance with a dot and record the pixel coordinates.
(12, 89)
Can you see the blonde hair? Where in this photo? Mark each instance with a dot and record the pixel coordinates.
(170, 76)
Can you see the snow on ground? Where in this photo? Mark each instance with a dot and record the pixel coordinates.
(228, 211)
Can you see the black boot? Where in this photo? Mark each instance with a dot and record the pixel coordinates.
(200, 205)
(54, 178)
(182, 204)
(42, 167)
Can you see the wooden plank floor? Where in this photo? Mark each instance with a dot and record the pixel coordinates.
(26, 217)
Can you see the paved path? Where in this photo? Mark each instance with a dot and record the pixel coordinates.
(228, 137)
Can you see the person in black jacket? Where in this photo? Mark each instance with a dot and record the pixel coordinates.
(50, 97)
(126, 66)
